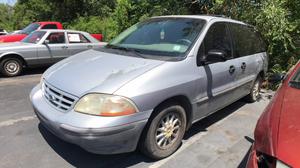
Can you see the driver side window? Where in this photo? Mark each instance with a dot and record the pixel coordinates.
(56, 38)
(217, 38)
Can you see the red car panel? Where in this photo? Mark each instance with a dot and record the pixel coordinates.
(277, 132)
(288, 146)
(12, 37)
(98, 36)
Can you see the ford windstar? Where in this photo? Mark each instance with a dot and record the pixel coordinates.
(151, 83)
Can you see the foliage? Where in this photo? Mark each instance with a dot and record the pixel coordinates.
(6, 17)
(277, 20)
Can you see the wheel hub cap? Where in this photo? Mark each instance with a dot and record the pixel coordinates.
(256, 89)
(11, 67)
(167, 131)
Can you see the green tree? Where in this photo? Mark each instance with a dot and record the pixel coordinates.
(277, 20)
(6, 17)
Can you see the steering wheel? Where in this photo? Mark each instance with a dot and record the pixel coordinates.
(184, 41)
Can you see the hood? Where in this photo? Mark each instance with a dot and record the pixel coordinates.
(266, 131)
(7, 47)
(95, 71)
(288, 144)
(12, 37)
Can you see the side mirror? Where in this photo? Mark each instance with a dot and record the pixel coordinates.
(277, 77)
(46, 42)
(216, 56)
(212, 56)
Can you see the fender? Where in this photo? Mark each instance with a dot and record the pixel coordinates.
(14, 54)
(10, 53)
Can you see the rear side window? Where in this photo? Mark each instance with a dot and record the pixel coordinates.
(77, 38)
(246, 41)
(217, 38)
(50, 26)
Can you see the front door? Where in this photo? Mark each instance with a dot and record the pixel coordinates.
(221, 76)
(54, 48)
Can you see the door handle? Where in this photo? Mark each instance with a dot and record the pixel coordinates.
(231, 69)
(89, 46)
(243, 66)
(64, 47)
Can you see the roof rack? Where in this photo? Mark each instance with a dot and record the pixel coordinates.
(223, 16)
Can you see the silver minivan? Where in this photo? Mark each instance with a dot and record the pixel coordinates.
(151, 83)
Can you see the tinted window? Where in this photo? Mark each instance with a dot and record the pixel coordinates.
(56, 38)
(217, 38)
(161, 36)
(50, 26)
(261, 43)
(246, 40)
(77, 38)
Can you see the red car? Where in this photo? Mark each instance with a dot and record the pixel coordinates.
(30, 28)
(277, 133)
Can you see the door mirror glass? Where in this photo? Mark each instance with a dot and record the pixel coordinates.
(277, 77)
(215, 55)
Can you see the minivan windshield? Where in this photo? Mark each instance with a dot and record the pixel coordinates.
(30, 28)
(34, 37)
(160, 36)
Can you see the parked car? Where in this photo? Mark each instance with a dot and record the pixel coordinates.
(43, 47)
(3, 32)
(29, 29)
(277, 136)
(150, 84)
(20, 35)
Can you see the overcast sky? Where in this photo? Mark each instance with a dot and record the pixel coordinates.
(10, 2)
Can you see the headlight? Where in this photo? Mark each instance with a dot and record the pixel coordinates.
(280, 164)
(264, 160)
(105, 105)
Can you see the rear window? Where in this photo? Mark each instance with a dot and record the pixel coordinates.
(246, 40)
(50, 26)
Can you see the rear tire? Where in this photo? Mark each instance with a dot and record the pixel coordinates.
(164, 132)
(255, 90)
(10, 67)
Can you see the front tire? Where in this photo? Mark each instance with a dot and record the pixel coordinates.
(164, 132)
(11, 67)
(255, 90)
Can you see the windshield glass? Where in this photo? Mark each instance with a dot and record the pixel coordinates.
(30, 28)
(161, 36)
(34, 37)
(295, 81)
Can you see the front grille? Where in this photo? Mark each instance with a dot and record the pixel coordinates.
(57, 98)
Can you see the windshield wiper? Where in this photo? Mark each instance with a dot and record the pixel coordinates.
(131, 50)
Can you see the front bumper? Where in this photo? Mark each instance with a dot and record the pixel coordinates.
(252, 160)
(96, 134)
